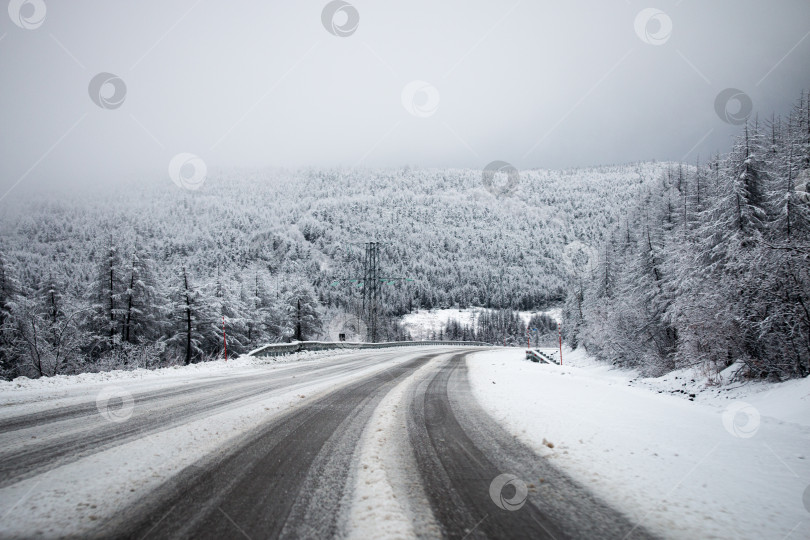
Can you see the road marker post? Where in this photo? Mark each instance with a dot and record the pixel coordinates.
(224, 339)
(559, 333)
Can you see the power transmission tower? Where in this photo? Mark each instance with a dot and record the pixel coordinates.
(371, 282)
(371, 288)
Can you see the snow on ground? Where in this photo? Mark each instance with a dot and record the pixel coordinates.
(71, 498)
(63, 390)
(428, 324)
(554, 313)
(384, 479)
(730, 462)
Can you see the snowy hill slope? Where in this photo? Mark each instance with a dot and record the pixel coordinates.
(459, 243)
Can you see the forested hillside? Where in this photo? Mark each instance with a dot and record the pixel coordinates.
(143, 273)
(711, 266)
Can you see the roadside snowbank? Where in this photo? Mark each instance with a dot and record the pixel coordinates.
(213, 367)
(733, 463)
(62, 390)
(70, 499)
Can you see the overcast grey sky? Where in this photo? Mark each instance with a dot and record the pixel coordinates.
(535, 83)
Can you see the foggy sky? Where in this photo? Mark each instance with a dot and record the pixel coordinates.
(546, 84)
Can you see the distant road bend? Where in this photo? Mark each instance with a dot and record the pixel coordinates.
(295, 475)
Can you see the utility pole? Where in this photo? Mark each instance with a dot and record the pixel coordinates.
(298, 323)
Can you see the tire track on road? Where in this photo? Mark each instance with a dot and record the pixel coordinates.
(460, 450)
(180, 388)
(287, 480)
(79, 436)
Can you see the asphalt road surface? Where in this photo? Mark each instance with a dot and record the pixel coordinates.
(293, 475)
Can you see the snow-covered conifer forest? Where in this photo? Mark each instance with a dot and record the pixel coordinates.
(113, 280)
(659, 265)
(710, 265)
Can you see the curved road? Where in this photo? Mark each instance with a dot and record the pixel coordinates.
(294, 475)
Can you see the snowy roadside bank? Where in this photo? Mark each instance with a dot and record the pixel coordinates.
(733, 463)
(62, 390)
(71, 498)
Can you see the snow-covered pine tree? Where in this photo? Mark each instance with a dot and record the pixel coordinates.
(143, 303)
(227, 306)
(190, 318)
(9, 290)
(49, 330)
(302, 311)
(715, 267)
(106, 297)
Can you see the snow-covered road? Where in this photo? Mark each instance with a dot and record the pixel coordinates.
(384, 444)
(402, 443)
(75, 451)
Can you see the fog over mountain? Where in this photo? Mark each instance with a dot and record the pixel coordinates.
(427, 84)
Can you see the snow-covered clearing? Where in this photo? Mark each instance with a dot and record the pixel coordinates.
(429, 323)
(735, 462)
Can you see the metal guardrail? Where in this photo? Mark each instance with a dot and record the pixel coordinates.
(278, 349)
(536, 355)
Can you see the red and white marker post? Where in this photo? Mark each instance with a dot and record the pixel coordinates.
(559, 333)
(224, 339)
